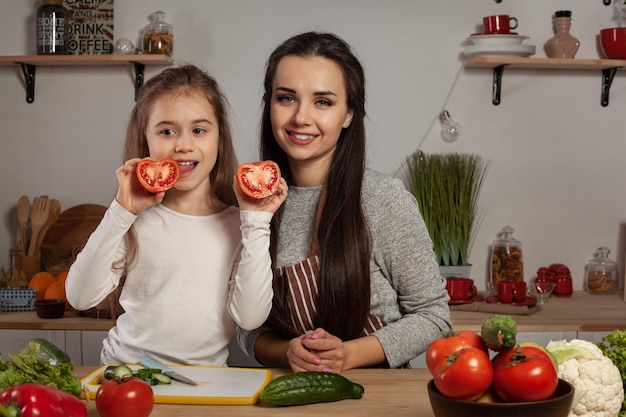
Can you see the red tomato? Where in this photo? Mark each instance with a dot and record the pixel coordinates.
(157, 177)
(124, 397)
(258, 179)
(464, 375)
(524, 373)
(451, 343)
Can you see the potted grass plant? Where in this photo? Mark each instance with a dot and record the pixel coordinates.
(447, 187)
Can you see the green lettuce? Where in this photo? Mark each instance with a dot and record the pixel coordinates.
(613, 346)
(22, 368)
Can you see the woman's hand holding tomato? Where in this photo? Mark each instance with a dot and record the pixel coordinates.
(130, 194)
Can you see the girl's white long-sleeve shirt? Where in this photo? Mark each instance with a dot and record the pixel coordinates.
(195, 278)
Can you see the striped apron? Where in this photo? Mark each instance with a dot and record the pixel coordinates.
(303, 291)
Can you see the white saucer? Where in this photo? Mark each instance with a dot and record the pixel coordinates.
(499, 50)
(507, 39)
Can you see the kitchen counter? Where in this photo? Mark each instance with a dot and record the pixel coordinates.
(388, 393)
(579, 313)
(71, 320)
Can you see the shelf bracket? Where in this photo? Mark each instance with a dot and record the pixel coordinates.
(607, 79)
(497, 84)
(29, 76)
(139, 69)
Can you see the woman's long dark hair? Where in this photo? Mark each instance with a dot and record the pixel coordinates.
(344, 244)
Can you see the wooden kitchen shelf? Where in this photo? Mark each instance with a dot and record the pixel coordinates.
(29, 64)
(608, 67)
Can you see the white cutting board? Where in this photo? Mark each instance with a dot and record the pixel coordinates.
(216, 385)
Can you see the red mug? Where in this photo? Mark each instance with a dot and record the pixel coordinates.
(511, 291)
(498, 24)
(461, 289)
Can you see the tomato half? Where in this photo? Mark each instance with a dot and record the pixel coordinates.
(124, 397)
(451, 343)
(258, 179)
(465, 375)
(524, 373)
(158, 176)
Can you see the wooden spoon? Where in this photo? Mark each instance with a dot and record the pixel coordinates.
(53, 216)
(23, 213)
(38, 217)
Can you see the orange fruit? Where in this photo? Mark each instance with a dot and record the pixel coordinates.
(55, 291)
(62, 276)
(40, 282)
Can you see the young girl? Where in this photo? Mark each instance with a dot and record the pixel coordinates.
(191, 266)
(357, 283)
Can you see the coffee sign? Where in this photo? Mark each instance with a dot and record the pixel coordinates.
(90, 27)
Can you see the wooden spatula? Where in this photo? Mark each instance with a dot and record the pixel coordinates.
(38, 217)
(53, 216)
(23, 213)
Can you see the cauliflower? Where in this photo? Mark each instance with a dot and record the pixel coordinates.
(597, 381)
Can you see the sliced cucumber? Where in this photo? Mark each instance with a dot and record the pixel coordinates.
(109, 372)
(121, 371)
(162, 379)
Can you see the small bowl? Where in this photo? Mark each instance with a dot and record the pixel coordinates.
(613, 43)
(50, 309)
(558, 406)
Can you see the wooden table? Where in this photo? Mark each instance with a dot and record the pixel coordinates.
(388, 393)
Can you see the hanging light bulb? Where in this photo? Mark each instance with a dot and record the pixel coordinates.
(450, 129)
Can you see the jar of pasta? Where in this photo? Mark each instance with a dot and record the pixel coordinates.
(506, 259)
(601, 273)
(158, 36)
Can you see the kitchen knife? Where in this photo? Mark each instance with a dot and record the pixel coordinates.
(154, 364)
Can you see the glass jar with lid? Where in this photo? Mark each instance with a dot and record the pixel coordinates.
(506, 259)
(601, 273)
(158, 36)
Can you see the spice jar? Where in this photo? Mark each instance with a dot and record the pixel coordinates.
(563, 278)
(506, 259)
(158, 37)
(601, 273)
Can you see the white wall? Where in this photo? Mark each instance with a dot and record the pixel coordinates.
(557, 173)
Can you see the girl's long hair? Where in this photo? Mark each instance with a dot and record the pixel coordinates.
(187, 79)
(344, 243)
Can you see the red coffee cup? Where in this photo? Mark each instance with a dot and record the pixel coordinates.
(461, 289)
(498, 24)
(511, 291)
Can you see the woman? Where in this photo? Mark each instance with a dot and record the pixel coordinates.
(356, 282)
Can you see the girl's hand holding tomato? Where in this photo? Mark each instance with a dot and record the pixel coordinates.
(465, 375)
(451, 343)
(130, 194)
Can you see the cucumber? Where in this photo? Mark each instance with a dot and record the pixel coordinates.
(162, 379)
(310, 387)
(121, 371)
(44, 349)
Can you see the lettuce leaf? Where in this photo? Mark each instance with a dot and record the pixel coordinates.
(23, 368)
(613, 346)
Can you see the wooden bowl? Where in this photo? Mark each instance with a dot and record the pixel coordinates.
(50, 309)
(558, 406)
